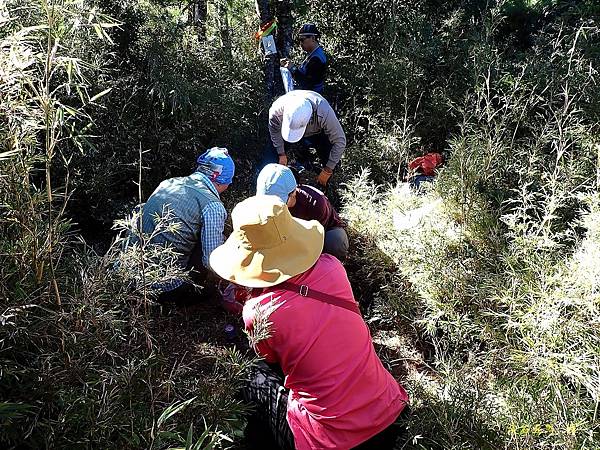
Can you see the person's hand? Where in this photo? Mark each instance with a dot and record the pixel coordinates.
(283, 160)
(324, 176)
(284, 62)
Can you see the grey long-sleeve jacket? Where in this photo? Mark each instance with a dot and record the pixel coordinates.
(323, 119)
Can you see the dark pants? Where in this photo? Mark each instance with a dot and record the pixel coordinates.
(182, 295)
(336, 243)
(203, 286)
(387, 438)
(418, 180)
(266, 391)
(320, 142)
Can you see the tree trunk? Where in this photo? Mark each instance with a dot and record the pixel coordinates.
(197, 17)
(264, 13)
(263, 9)
(224, 30)
(285, 35)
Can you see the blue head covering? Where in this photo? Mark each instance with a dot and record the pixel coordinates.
(276, 179)
(217, 165)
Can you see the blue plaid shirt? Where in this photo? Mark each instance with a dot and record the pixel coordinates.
(213, 216)
(184, 196)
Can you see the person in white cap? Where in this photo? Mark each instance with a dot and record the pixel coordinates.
(306, 115)
(305, 202)
(336, 393)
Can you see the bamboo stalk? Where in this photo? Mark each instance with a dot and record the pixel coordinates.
(50, 142)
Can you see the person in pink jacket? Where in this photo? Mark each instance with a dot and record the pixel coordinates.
(336, 394)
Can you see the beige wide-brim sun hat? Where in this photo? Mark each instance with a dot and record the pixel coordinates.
(268, 246)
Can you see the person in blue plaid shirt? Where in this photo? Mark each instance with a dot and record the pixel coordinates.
(195, 204)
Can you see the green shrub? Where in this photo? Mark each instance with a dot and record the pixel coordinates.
(491, 266)
(490, 275)
(86, 359)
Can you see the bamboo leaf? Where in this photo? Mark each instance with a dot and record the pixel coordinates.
(108, 24)
(7, 155)
(100, 94)
(172, 410)
(98, 30)
(190, 436)
(72, 111)
(13, 410)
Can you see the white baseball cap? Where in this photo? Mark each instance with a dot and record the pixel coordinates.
(297, 112)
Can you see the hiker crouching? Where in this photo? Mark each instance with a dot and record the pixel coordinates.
(195, 206)
(305, 202)
(336, 394)
(306, 117)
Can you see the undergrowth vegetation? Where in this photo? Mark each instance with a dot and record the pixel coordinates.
(487, 279)
(514, 328)
(497, 261)
(85, 358)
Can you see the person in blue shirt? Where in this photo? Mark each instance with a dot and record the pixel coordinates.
(310, 74)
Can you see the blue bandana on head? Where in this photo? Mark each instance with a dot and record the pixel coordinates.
(217, 165)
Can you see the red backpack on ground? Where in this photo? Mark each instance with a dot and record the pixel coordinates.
(426, 164)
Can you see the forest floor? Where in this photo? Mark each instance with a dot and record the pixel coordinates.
(193, 336)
